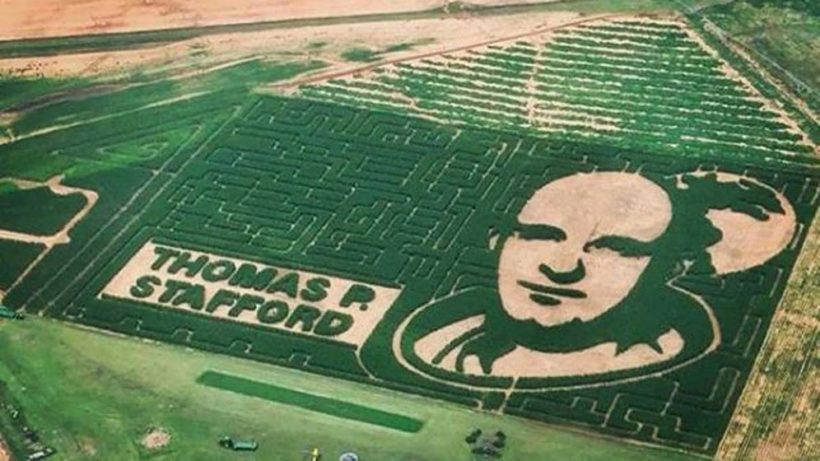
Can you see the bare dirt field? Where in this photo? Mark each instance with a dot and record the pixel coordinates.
(4, 451)
(156, 439)
(51, 18)
(427, 35)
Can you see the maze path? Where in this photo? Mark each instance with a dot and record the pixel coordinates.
(405, 203)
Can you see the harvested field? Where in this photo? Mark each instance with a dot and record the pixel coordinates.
(49, 18)
(421, 36)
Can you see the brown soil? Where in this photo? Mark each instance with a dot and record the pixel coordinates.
(88, 447)
(438, 35)
(156, 439)
(52, 18)
(5, 453)
(781, 445)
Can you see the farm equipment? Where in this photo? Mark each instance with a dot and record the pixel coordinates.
(238, 445)
(6, 313)
(41, 454)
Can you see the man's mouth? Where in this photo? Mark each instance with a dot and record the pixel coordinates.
(550, 296)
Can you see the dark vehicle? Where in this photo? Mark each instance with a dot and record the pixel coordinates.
(238, 445)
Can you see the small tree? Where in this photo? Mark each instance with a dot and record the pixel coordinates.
(473, 436)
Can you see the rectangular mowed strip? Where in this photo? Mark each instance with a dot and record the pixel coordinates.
(317, 403)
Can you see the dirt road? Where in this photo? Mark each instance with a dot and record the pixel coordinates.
(54, 18)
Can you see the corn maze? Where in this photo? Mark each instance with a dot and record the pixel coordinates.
(593, 227)
(648, 85)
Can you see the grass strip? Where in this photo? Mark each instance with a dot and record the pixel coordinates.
(317, 403)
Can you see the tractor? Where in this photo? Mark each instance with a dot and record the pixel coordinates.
(6, 313)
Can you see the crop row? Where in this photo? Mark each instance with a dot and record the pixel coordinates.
(590, 81)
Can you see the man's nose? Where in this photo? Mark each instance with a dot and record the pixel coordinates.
(564, 277)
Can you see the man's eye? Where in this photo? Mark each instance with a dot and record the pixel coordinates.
(540, 232)
(624, 246)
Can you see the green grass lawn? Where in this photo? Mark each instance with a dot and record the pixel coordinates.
(93, 395)
(317, 403)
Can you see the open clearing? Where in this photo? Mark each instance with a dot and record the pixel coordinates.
(156, 439)
(109, 375)
(382, 200)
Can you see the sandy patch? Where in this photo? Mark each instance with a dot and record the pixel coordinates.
(87, 446)
(781, 445)
(7, 118)
(156, 439)
(439, 35)
(5, 453)
(52, 18)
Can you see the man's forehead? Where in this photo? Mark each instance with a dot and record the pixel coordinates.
(596, 204)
